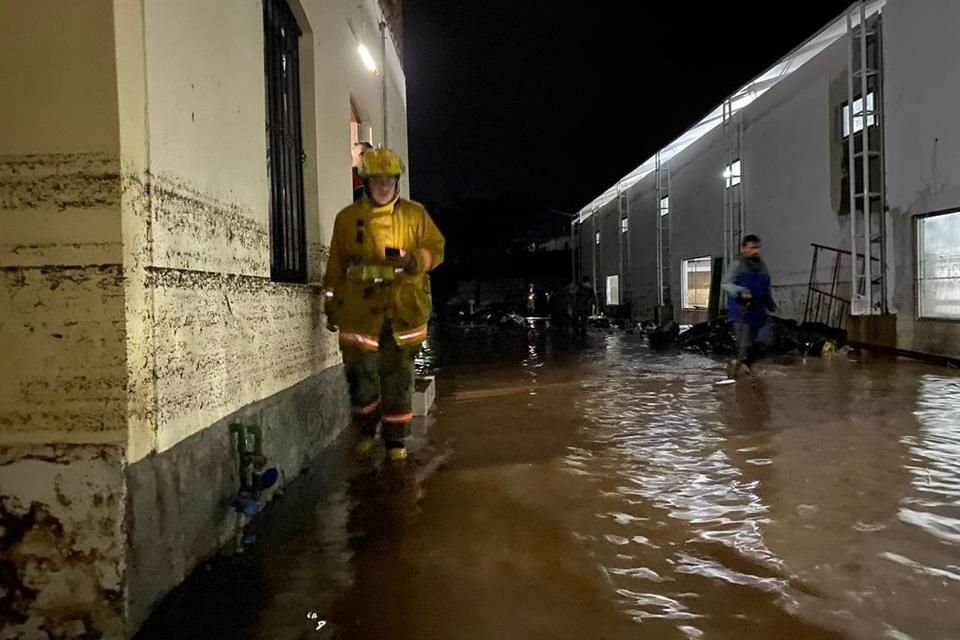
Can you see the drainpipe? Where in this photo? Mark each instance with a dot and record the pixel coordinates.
(254, 478)
(383, 78)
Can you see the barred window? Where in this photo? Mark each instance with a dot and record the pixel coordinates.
(288, 245)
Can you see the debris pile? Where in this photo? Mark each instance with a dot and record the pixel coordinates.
(717, 337)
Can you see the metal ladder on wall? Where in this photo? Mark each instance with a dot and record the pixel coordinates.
(623, 210)
(866, 171)
(733, 209)
(663, 231)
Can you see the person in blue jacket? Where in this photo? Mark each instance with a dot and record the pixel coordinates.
(747, 285)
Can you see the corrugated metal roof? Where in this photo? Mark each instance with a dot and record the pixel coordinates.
(739, 101)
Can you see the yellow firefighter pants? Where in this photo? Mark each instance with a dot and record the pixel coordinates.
(381, 387)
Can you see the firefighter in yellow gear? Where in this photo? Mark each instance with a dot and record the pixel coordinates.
(378, 297)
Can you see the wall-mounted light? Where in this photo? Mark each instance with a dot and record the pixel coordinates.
(368, 60)
(371, 64)
(362, 48)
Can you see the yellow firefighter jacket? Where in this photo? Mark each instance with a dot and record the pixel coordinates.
(366, 289)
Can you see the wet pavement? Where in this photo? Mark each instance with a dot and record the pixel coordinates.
(607, 492)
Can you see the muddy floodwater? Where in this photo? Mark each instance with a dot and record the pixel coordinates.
(602, 491)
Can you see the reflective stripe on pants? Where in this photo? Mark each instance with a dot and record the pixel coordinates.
(386, 376)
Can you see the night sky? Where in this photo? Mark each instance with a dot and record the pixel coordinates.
(557, 103)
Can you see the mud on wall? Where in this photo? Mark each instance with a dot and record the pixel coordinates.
(204, 347)
(135, 298)
(59, 208)
(62, 331)
(62, 556)
(61, 299)
(63, 404)
(224, 341)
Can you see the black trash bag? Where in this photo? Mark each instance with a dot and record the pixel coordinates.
(664, 336)
(787, 337)
(695, 335)
(806, 339)
(648, 327)
(599, 322)
(714, 337)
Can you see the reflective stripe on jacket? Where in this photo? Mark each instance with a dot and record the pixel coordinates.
(366, 290)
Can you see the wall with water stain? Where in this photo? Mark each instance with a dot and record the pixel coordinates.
(210, 331)
(62, 551)
(135, 290)
(61, 299)
(62, 330)
(922, 149)
(210, 334)
(61, 306)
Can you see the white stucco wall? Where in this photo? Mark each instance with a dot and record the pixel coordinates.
(210, 331)
(62, 389)
(136, 304)
(61, 298)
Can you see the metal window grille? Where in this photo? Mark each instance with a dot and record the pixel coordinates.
(288, 245)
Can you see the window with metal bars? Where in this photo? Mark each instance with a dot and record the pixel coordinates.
(288, 243)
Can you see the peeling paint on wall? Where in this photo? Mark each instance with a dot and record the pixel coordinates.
(136, 302)
(62, 550)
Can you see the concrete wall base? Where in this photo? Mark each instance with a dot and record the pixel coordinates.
(878, 331)
(179, 511)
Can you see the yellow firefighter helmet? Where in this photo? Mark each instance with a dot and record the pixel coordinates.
(381, 162)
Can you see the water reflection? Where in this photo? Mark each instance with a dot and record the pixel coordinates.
(935, 461)
(661, 441)
(785, 485)
(425, 361)
(607, 491)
